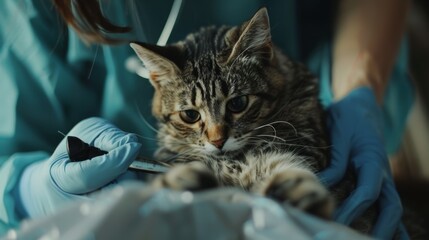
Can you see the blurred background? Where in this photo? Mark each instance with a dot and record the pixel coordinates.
(411, 163)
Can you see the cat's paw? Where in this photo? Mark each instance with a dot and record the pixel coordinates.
(187, 177)
(301, 189)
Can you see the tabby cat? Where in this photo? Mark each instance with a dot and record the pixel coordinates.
(234, 111)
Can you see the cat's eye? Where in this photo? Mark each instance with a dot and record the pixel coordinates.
(190, 116)
(237, 104)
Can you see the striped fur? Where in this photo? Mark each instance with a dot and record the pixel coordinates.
(279, 134)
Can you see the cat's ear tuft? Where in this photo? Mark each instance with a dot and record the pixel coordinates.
(254, 37)
(161, 69)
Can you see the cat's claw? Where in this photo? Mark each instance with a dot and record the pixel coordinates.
(300, 188)
(187, 177)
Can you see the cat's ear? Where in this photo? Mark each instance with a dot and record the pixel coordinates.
(252, 38)
(159, 61)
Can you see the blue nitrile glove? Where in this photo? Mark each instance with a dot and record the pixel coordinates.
(47, 185)
(355, 127)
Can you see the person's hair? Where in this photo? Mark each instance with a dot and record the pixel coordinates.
(87, 19)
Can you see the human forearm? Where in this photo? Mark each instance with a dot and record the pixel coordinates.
(367, 37)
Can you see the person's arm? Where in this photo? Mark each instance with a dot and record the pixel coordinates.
(365, 46)
(367, 38)
(41, 62)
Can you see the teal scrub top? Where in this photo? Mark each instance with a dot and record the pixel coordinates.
(50, 79)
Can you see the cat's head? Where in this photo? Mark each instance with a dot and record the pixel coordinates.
(216, 87)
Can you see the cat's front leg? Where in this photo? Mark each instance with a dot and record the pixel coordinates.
(193, 176)
(300, 188)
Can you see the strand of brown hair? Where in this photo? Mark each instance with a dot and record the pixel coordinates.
(87, 19)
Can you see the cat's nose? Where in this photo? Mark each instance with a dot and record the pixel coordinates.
(218, 143)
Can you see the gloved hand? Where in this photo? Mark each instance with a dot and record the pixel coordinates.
(355, 127)
(47, 185)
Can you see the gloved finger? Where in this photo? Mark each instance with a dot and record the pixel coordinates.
(339, 154)
(369, 183)
(390, 214)
(89, 175)
(101, 133)
(113, 138)
(87, 130)
(331, 175)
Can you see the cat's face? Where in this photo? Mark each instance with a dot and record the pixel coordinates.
(216, 89)
(215, 113)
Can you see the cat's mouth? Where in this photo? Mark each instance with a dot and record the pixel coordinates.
(231, 147)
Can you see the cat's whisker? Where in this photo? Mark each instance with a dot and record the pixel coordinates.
(173, 143)
(177, 155)
(286, 122)
(259, 139)
(144, 119)
(267, 125)
(162, 141)
(305, 146)
(179, 142)
(277, 122)
(271, 144)
(147, 138)
(271, 136)
(287, 142)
